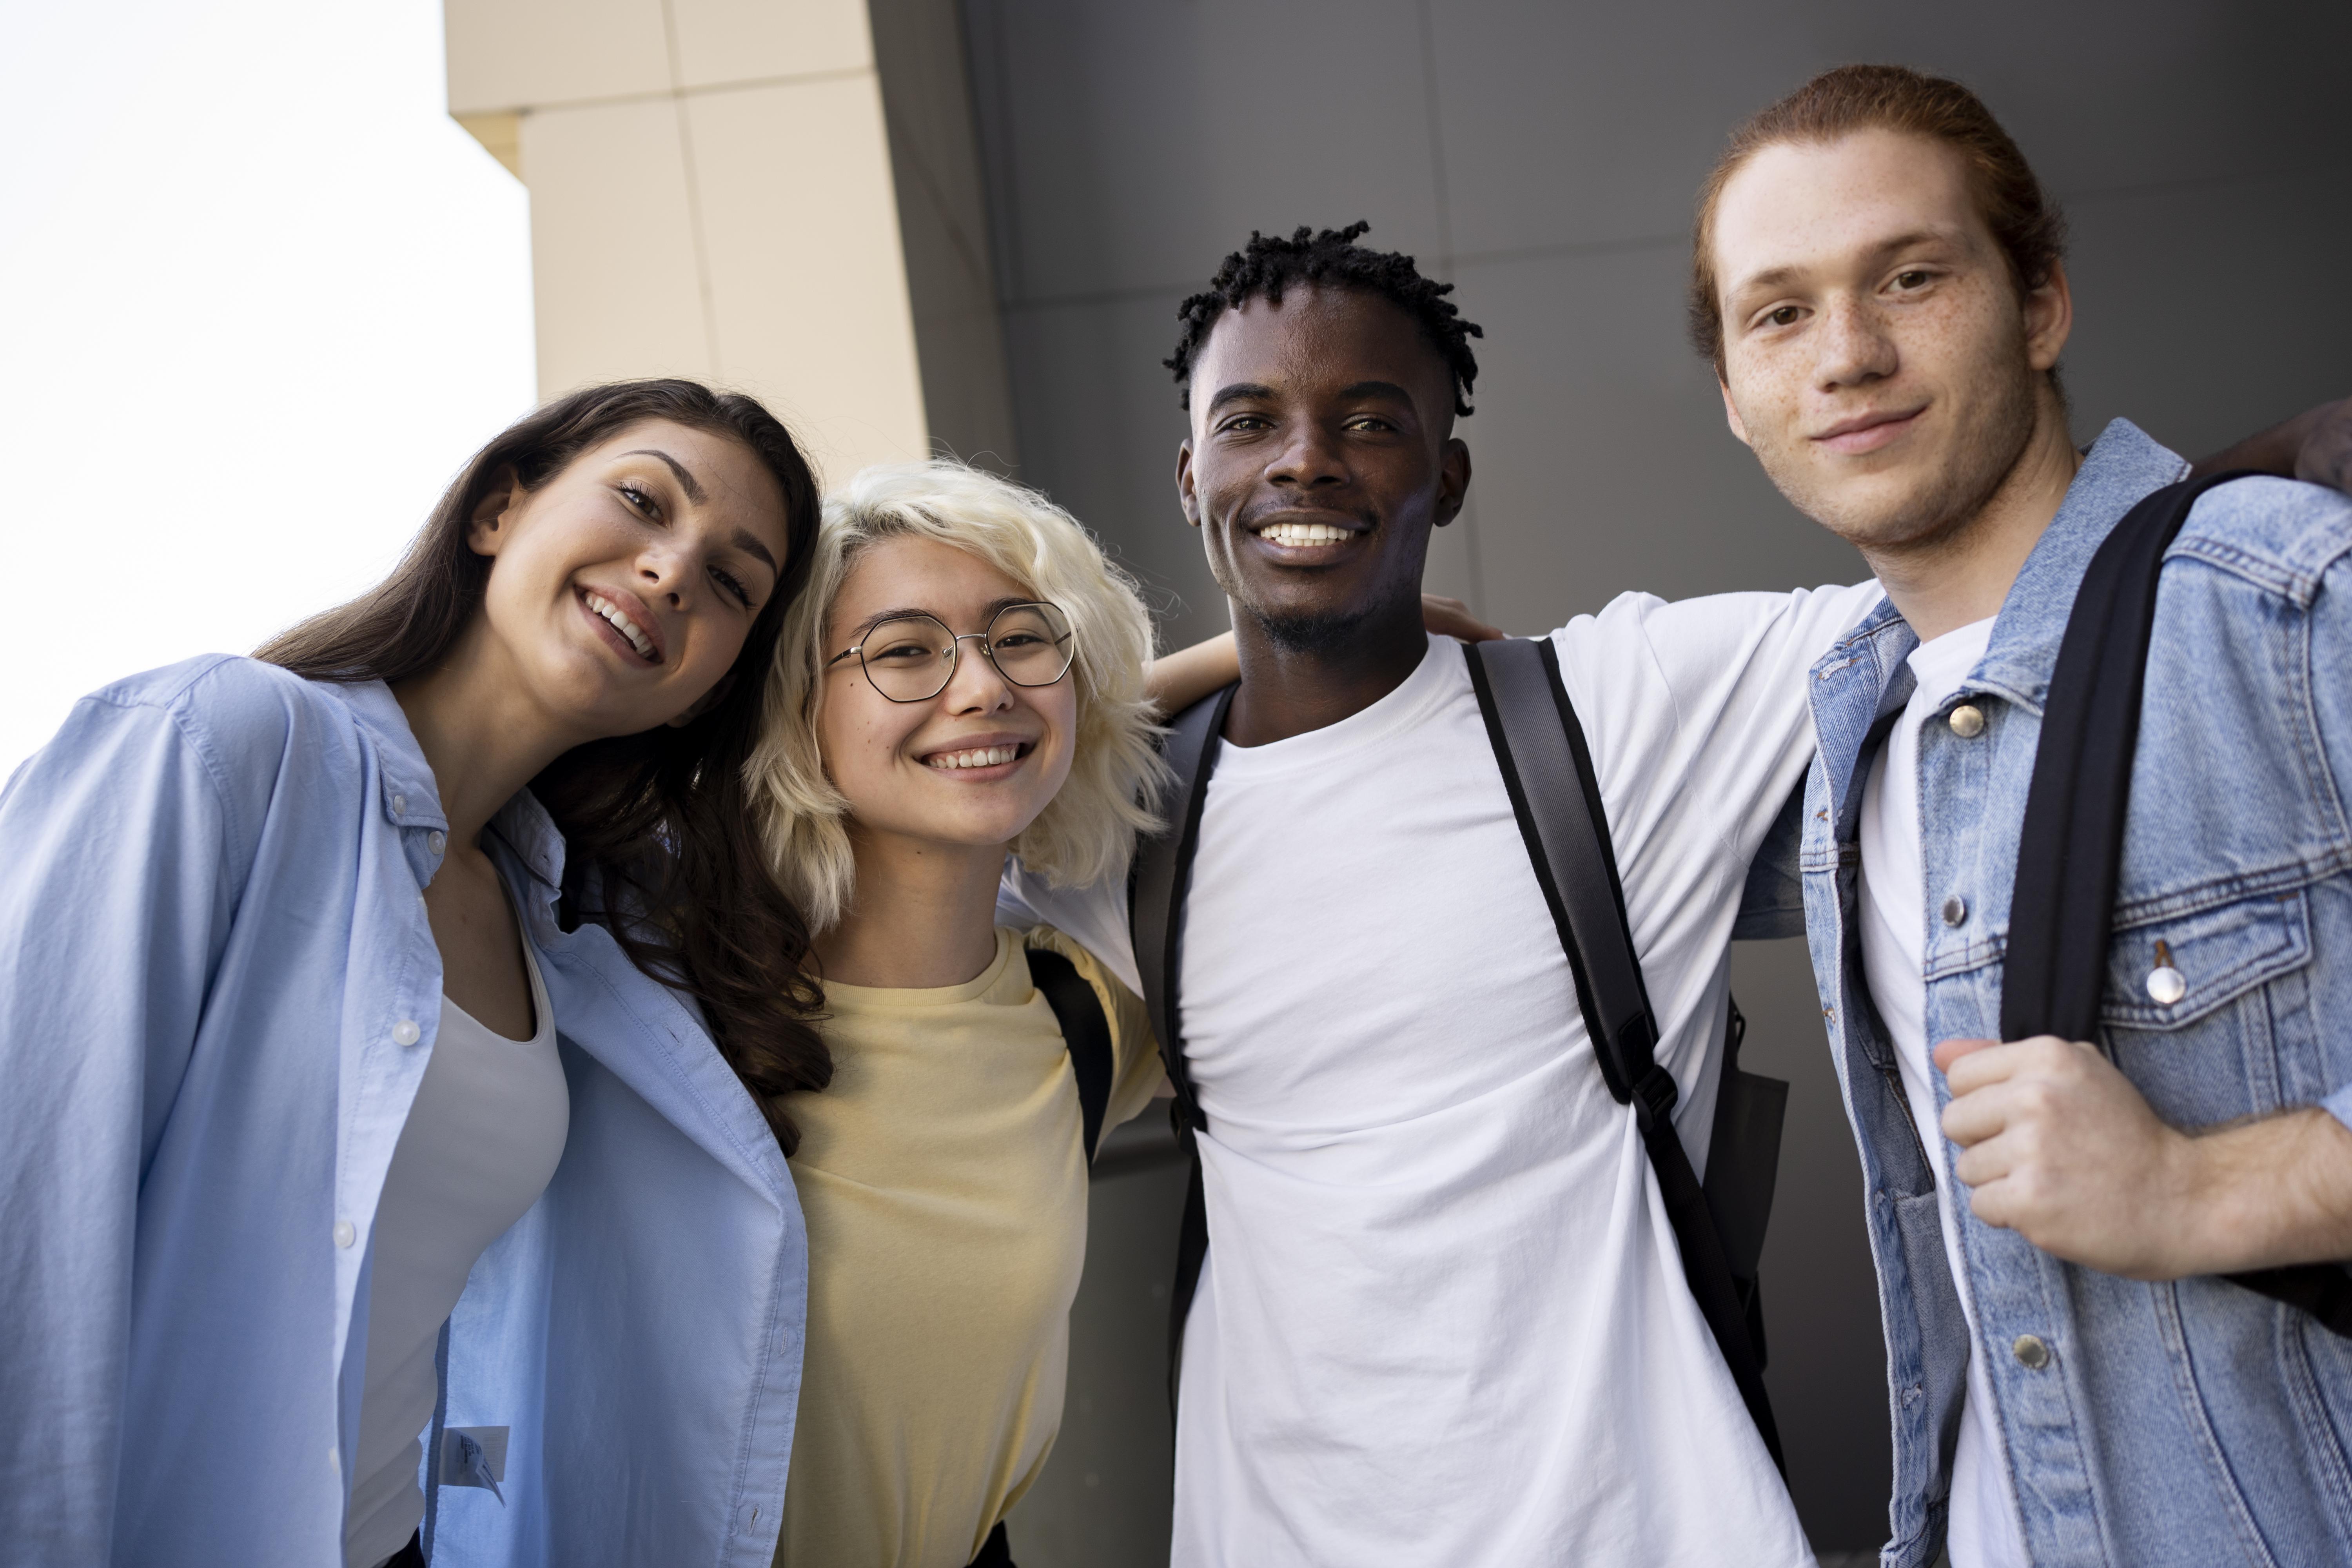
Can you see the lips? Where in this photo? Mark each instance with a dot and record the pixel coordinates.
(1305, 535)
(1868, 432)
(624, 620)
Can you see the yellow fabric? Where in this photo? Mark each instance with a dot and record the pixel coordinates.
(943, 1179)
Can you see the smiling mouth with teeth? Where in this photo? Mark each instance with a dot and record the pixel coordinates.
(623, 625)
(1296, 535)
(975, 757)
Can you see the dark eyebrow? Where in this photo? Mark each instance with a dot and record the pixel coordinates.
(1773, 278)
(749, 543)
(685, 482)
(1238, 392)
(991, 607)
(1376, 389)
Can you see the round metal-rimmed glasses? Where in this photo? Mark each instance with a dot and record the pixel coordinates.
(912, 658)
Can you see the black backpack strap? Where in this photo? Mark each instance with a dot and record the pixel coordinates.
(1084, 1031)
(1548, 770)
(1162, 874)
(2069, 849)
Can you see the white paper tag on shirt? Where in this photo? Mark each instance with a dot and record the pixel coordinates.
(474, 1457)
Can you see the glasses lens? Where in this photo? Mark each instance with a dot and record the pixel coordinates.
(908, 659)
(1031, 644)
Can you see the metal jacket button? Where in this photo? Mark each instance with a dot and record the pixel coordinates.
(2166, 984)
(2030, 1352)
(1956, 911)
(1968, 721)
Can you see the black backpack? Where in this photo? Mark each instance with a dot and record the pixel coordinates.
(1548, 770)
(1084, 1031)
(2070, 847)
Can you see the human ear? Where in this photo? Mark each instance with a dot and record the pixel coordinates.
(2048, 319)
(487, 530)
(1187, 496)
(1452, 479)
(1731, 411)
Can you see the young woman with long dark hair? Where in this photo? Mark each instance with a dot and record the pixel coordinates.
(287, 945)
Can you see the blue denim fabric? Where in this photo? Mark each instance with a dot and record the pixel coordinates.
(211, 933)
(2192, 1422)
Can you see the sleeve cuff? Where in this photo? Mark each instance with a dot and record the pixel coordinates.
(2339, 1105)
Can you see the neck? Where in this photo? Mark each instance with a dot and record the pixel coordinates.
(1286, 692)
(481, 737)
(1961, 575)
(923, 915)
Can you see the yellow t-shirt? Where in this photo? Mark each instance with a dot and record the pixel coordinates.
(943, 1178)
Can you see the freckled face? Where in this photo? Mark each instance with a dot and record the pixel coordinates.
(972, 767)
(1876, 355)
(622, 588)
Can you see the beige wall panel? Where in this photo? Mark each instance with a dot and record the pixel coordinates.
(808, 285)
(518, 54)
(612, 240)
(750, 40)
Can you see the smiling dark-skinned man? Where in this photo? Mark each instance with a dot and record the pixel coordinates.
(1443, 1317)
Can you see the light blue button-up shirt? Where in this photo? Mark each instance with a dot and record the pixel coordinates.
(218, 992)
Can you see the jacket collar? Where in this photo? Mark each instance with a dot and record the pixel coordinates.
(2122, 469)
(408, 798)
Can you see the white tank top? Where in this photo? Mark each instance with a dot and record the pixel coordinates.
(480, 1143)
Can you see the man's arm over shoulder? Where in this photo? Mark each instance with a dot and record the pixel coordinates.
(1704, 700)
(1094, 916)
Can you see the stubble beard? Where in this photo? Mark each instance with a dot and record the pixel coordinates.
(1936, 515)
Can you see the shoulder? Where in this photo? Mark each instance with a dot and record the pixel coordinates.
(1119, 1000)
(2281, 535)
(222, 701)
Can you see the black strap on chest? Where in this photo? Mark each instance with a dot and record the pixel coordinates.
(2071, 846)
(1084, 1031)
(1536, 737)
(1555, 796)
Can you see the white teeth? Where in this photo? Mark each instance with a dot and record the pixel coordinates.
(979, 757)
(1300, 534)
(622, 624)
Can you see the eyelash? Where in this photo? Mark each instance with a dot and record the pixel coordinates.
(742, 594)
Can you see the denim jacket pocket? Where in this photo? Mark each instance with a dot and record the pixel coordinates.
(2169, 972)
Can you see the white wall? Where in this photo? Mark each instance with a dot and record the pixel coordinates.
(262, 299)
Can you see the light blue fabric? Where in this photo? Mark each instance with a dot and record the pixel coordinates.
(213, 946)
(2185, 1422)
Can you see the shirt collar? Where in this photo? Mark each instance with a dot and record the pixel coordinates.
(2122, 469)
(408, 798)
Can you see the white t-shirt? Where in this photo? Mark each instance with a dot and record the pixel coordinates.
(1444, 1320)
(482, 1139)
(1983, 1531)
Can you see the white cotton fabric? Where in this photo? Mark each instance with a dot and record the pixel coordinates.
(1983, 1530)
(483, 1137)
(1444, 1320)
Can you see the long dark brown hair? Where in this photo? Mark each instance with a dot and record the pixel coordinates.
(661, 845)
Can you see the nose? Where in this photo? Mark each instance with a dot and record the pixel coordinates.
(663, 571)
(1854, 345)
(1309, 460)
(975, 685)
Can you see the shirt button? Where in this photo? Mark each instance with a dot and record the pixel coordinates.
(399, 806)
(405, 1032)
(436, 841)
(2030, 1352)
(1956, 911)
(344, 1233)
(1968, 721)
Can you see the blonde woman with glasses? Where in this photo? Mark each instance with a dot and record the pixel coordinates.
(966, 678)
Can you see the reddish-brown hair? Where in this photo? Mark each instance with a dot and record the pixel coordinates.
(2025, 223)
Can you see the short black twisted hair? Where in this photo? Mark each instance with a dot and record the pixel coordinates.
(1261, 270)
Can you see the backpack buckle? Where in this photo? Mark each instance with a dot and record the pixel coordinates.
(1654, 1095)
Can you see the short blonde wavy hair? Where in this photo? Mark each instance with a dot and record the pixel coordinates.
(1088, 830)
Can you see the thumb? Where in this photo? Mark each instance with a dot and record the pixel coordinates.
(1951, 1051)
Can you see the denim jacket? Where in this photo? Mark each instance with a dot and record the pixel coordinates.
(2188, 1422)
(218, 993)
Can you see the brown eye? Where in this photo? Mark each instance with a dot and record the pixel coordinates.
(1783, 316)
(1910, 280)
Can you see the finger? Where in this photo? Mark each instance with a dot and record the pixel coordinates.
(1991, 1159)
(1452, 617)
(1951, 1051)
(1973, 1118)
